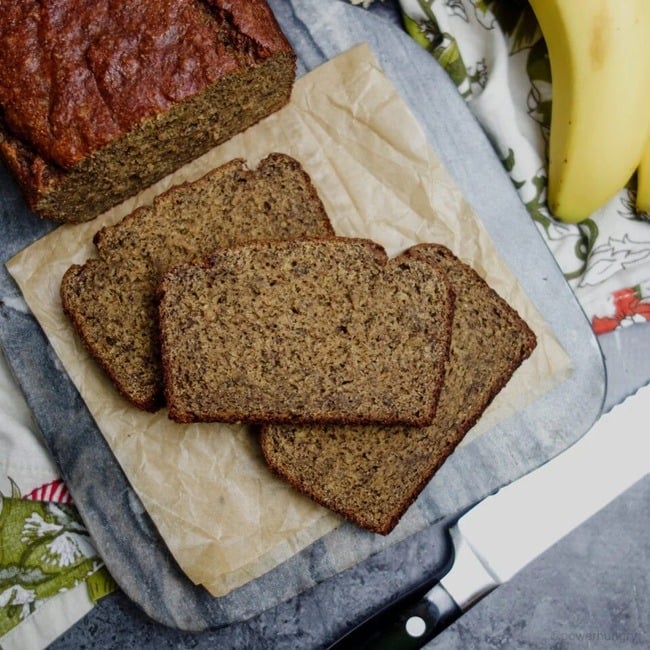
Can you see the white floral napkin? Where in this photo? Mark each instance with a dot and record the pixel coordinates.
(50, 573)
(495, 54)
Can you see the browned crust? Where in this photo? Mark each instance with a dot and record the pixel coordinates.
(255, 19)
(237, 164)
(47, 157)
(354, 516)
(117, 70)
(151, 403)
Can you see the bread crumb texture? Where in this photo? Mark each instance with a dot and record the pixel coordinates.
(372, 474)
(311, 330)
(111, 300)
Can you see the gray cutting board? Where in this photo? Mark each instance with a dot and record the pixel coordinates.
(123, 533)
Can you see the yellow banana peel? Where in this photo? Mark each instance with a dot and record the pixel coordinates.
(599, 53)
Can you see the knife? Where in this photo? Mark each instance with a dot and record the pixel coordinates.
(496, 538)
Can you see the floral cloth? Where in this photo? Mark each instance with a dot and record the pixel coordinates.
(46, 554)
(44, 550)
(495, 54)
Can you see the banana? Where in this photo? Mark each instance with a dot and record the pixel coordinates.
(643, 180)
(599, 52)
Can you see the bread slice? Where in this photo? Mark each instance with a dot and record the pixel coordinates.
(111, 300)
(311, 330)
(371, 475)
(99, 100)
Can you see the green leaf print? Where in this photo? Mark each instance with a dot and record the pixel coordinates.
(100, 584)
(517, 20)
(538, 68)
(537, 206)
(441, 45)
(588, 230)
(509, 160)
(482, 5)
(419, 32)
(450, 59)
(44, 549)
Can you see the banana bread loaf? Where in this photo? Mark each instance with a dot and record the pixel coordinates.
(311, 330)
(371, 475)
(111, 300)
(99, 99)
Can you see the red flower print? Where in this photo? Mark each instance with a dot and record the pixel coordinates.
(629, 308)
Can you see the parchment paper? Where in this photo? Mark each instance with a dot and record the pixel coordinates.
(223, 515)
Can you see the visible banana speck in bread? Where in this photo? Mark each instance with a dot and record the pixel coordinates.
(112, 302)
(372, 474)
(285, 345)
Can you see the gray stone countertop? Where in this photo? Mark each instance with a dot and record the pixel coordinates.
(588, 591)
